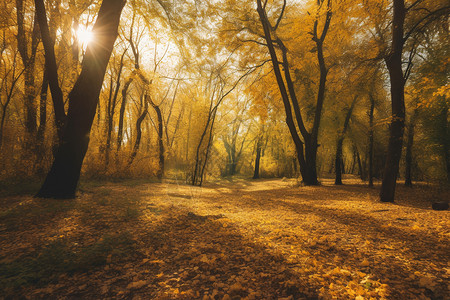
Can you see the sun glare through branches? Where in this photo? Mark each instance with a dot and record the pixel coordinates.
(84, 36)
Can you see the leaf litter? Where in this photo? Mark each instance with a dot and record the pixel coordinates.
(265, 239)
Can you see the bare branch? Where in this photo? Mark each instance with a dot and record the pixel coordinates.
(281, 15)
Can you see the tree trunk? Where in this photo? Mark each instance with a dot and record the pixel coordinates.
(371, 124)
(43, 109)
(62, 180)
(358, 160)
(40, 137)
(409, 146)
(28, 60)
(51, 69)
(443, 119)
(111, 111)
(122, 112)
(337, 162)
(208, 148)
(257, 159)
(160, 172)
(284, 94)
(306, 149)
(8, 100)
(394, 65)
(139, 121)
(340, 141)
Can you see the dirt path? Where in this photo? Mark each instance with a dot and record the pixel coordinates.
(265, 239)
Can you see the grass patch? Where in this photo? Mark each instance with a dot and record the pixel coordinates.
(62, 256)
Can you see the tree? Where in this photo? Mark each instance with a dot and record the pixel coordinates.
(231, 140)
(62, 180)
(10, 76)
(340, 141)
(28, 56)
(397, 78)
(306, 149)
(409, 146)
(51, 69)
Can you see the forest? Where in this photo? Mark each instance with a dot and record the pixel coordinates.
(253, 149)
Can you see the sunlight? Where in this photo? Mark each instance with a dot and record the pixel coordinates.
(84, 36)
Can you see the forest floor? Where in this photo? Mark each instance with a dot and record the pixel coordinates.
(264, 239)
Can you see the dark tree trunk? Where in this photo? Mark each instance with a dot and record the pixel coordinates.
(198, 154)
(188, 136)
(51, 69)
(284, 93)
(28, 59)
(208, 149)
(340, 141)
(43, 109)
(201, 156)
(62, 180)
(371, 127)
(160, 172)
(409, 146)
(394, 65)
(338, 161)
(122, 112)
(40, 137)
(257, 159)
(358, 160)
(139, 121)
(233, 154)
(5, 105)
(306, 149)
(112, 103)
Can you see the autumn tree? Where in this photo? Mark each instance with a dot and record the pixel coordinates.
(398, 77)
(62, 179)
(306, 148)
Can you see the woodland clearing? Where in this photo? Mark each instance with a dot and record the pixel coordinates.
(239, 239)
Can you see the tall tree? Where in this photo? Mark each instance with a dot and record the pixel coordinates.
(397, 78)
(51, 68)
(28, 56)
(409, 146)
(62, 180)
(340, 142)
(306, 149)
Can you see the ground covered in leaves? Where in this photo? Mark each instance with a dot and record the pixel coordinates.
(265, 239)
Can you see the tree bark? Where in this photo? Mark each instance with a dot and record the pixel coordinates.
(396, 77)
(122, 112)
(409, 146)
(337, 162)
(51, 69)
(208, 149)
(160, 172)
(139, 121)
(43, 109)
(28, 59)
(257, 158)
(358, 160)
(340, 141)
(284, 93)
(8, 100)
(62, 180)
(306, 149)
(446, 138)
(371, 140)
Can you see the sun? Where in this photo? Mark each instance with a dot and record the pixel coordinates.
(84, 36)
